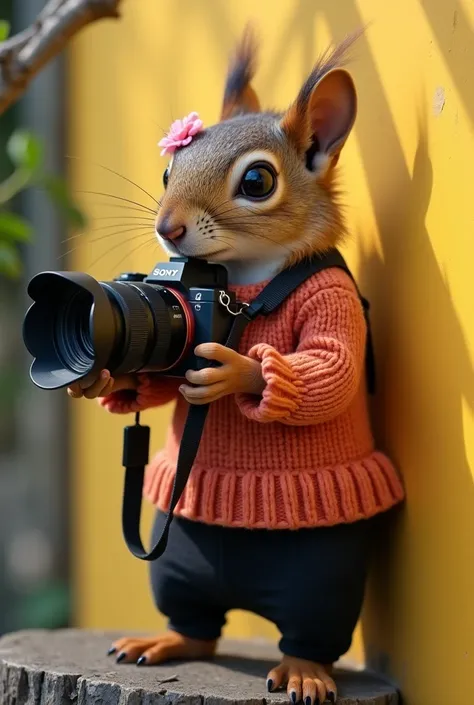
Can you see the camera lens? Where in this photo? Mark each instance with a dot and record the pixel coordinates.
(153, 326)
(72, 333)
(77, 327)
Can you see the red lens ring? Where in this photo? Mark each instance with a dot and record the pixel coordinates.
(188, 315)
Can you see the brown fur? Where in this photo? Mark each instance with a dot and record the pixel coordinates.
(307, 218)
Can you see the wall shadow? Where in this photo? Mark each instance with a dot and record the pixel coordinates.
(425, 378)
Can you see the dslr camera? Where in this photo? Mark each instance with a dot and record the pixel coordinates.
(77, 326)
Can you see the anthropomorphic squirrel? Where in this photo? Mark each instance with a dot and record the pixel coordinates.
(278, 513)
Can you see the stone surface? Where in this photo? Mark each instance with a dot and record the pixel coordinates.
(70, 667)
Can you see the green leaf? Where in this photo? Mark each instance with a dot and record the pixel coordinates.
(58, 192)
(4, 30)
(10, 263)
(12, 227)
(13, 184)
(25, 150)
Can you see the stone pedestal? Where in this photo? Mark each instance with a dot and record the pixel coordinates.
(70, 667)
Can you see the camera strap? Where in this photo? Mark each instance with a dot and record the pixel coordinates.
(136, 438)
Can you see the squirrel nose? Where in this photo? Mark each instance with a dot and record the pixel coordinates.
(168, 230)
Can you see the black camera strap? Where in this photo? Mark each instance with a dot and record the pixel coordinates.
(136, 438)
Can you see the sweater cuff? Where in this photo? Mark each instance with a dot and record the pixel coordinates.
(283, 391)
(149, 392)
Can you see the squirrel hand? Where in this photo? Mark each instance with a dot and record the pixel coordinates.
(237, 374)
(102, 387)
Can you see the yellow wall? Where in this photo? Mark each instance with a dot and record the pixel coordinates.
(407, 176)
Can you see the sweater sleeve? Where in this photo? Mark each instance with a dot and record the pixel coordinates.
(319, 380)
(152, 390)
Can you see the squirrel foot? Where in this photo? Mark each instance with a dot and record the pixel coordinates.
(164, 647)
(305, 681)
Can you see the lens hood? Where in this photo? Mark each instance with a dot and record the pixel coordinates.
(52, 292)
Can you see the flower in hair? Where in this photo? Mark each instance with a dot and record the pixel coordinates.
(181, 133)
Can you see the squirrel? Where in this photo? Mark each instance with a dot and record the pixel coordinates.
(278, 514)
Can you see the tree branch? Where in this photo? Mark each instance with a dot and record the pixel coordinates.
(24, 55)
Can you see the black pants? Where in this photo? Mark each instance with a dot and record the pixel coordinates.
(309, 583)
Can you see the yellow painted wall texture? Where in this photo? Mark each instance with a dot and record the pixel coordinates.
(407, 177)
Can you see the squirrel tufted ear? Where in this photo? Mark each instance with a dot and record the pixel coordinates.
(320, 120)
(332, 111)
(239, 96)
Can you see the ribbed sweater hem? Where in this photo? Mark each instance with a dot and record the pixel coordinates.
(279, 499)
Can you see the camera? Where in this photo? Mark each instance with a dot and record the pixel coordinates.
(77, 326)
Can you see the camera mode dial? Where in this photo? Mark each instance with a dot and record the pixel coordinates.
(130, 277)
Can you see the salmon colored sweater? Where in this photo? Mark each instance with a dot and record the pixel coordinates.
(302, 454)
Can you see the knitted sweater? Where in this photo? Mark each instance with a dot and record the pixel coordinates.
(302, 454)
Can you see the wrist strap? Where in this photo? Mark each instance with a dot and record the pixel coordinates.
(135, 471)
(136, 438)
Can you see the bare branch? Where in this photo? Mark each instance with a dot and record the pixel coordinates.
(16, 42)
(24, 55)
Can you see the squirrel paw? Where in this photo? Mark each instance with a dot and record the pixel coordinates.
(305, 681)
(165, 647)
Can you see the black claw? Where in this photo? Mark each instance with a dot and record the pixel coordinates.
(111, 651)
(332, 696)
(317, 701)
(269, 685)
(121, 656)
(293, 697)
(307, 700)
(141, 660)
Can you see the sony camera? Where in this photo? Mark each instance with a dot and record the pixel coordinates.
(78, 326)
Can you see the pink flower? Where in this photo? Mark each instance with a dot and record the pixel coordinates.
(181, 133)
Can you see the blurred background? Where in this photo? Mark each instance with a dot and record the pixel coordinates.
(406, 176)
(34, 455)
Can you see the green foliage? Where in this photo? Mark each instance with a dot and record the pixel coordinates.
(4, 30)
(25, 150)
(10, 262)
(26, 155)
(13, 227)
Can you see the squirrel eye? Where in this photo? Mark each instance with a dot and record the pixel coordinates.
(259, 181)
(166, 176)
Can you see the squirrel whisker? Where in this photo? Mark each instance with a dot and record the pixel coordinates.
(120, 198)
(126, 217)
(125, 178)
(218, 214)
(123, 232)
(222, 238)
(134, 209)
(107, 227)
(104, 237)
(120, 244)
(135, 249)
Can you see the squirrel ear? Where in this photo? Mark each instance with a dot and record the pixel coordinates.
(332, 111)
(239, 96)
(320, 120)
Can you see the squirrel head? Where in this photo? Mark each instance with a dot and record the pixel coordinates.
(259, 186)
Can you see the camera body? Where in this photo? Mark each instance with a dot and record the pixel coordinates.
(201, 286)
(77, 326)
